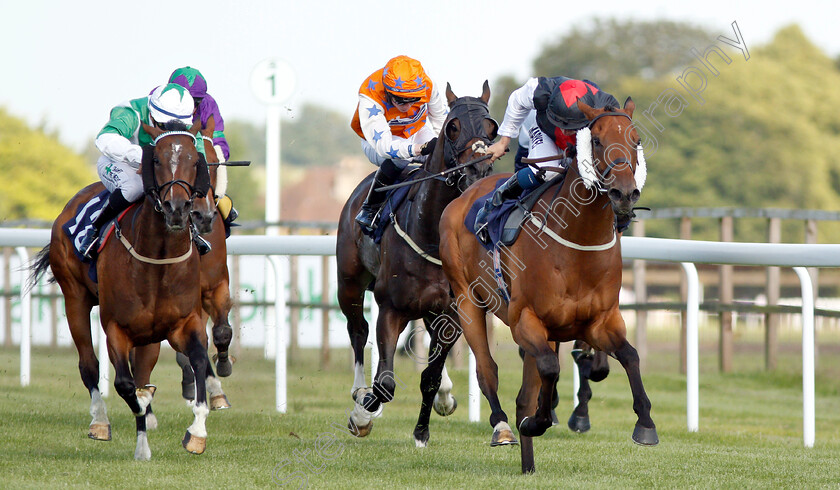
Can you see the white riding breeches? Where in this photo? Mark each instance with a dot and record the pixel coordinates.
(122, 176)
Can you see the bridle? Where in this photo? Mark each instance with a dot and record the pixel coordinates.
(154, 190)
(591, 175)
(471, 113)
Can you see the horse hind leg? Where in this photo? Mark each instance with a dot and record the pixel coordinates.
(143, 360)
(435, 384)
(78, 318)
(583, 357)
(526, 403)
(351, 291)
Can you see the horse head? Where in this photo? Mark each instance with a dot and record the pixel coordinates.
(174, 173)
(609, 155)
(467, 132)
(204, 209)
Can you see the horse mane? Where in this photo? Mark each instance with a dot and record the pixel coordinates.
(175, 125)
(610, 108)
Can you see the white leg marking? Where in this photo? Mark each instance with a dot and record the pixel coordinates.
(151, 421)
(214, 386)
(359, 378)
(142, 452)
(97, 409)
(198, 427)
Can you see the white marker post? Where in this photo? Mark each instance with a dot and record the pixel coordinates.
(272, 82)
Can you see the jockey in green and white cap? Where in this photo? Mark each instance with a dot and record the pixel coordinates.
(121, 140)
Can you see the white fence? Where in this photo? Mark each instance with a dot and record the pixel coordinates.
(685, 252)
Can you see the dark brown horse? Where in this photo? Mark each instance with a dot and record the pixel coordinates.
(563, 275)
(402, 270)
(149, 285)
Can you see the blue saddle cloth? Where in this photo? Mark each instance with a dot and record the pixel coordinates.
(82, 221)
(504, 222)
(393, 200)
(495, 220)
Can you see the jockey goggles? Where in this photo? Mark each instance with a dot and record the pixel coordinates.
(397, 100)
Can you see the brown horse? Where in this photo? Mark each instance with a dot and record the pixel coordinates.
(215, 279)
(402, 271)
(149, 285)
(563, 276)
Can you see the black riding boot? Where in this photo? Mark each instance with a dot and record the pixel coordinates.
(387, 174)
(116, 205)
(509, 189)
(201, 243)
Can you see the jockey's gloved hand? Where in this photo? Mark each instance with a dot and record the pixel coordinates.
(428, 147)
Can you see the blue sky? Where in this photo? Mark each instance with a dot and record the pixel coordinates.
(115, 51)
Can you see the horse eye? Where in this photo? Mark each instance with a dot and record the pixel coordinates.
(596, 141)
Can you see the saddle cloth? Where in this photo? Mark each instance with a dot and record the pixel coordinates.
(393, 200)
(505, 222)
(82, 221)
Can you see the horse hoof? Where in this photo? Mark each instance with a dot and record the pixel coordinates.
(100, 432)
(530, 428)
(219, 402)
(441, 409)
(421, 437)
(644, 436)
(579, 424)
(359, 431)
(224, 367)
(194, 444)
(503, 436)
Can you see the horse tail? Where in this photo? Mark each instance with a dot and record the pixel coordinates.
(39, 266)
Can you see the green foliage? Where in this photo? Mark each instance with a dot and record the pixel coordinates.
(609, 50)
(39, 174)
(765, 134)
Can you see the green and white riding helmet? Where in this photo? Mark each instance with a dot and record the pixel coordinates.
(171, 102)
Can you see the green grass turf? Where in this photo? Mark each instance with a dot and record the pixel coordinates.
(750, 430)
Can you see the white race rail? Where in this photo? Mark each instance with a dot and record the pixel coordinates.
(685, 252)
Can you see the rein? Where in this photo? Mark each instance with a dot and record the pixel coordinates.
(436, 175)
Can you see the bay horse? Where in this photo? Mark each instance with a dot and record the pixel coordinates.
(563, 276)
(148, 288)
(403, 272)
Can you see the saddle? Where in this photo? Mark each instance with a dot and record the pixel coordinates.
(393, 200)
(82, 221)
(504, 223)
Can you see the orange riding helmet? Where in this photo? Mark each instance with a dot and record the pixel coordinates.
(404, 77)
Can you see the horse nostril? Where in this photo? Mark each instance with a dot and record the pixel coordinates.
(614, 194)
(635, 195)
(167, 207)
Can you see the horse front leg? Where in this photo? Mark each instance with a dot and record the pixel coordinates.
(531, 334)
(645, 431)
(435, 385)
(218, 305)
(144, 360)
(474, 326)
(369, 402)
(526, 404)
(612, 340)
(119, 350)
(194, 344)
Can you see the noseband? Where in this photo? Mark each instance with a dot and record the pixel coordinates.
(471, 113)
(590, 174)
(197, 189)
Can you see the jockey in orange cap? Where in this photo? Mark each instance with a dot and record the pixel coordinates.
(399, 115)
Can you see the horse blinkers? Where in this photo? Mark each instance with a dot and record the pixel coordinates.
(468, 120)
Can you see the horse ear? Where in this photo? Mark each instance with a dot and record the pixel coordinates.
(629, 106)
(152, 131)
(450, 96)
(588, 111)
(485, 92)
